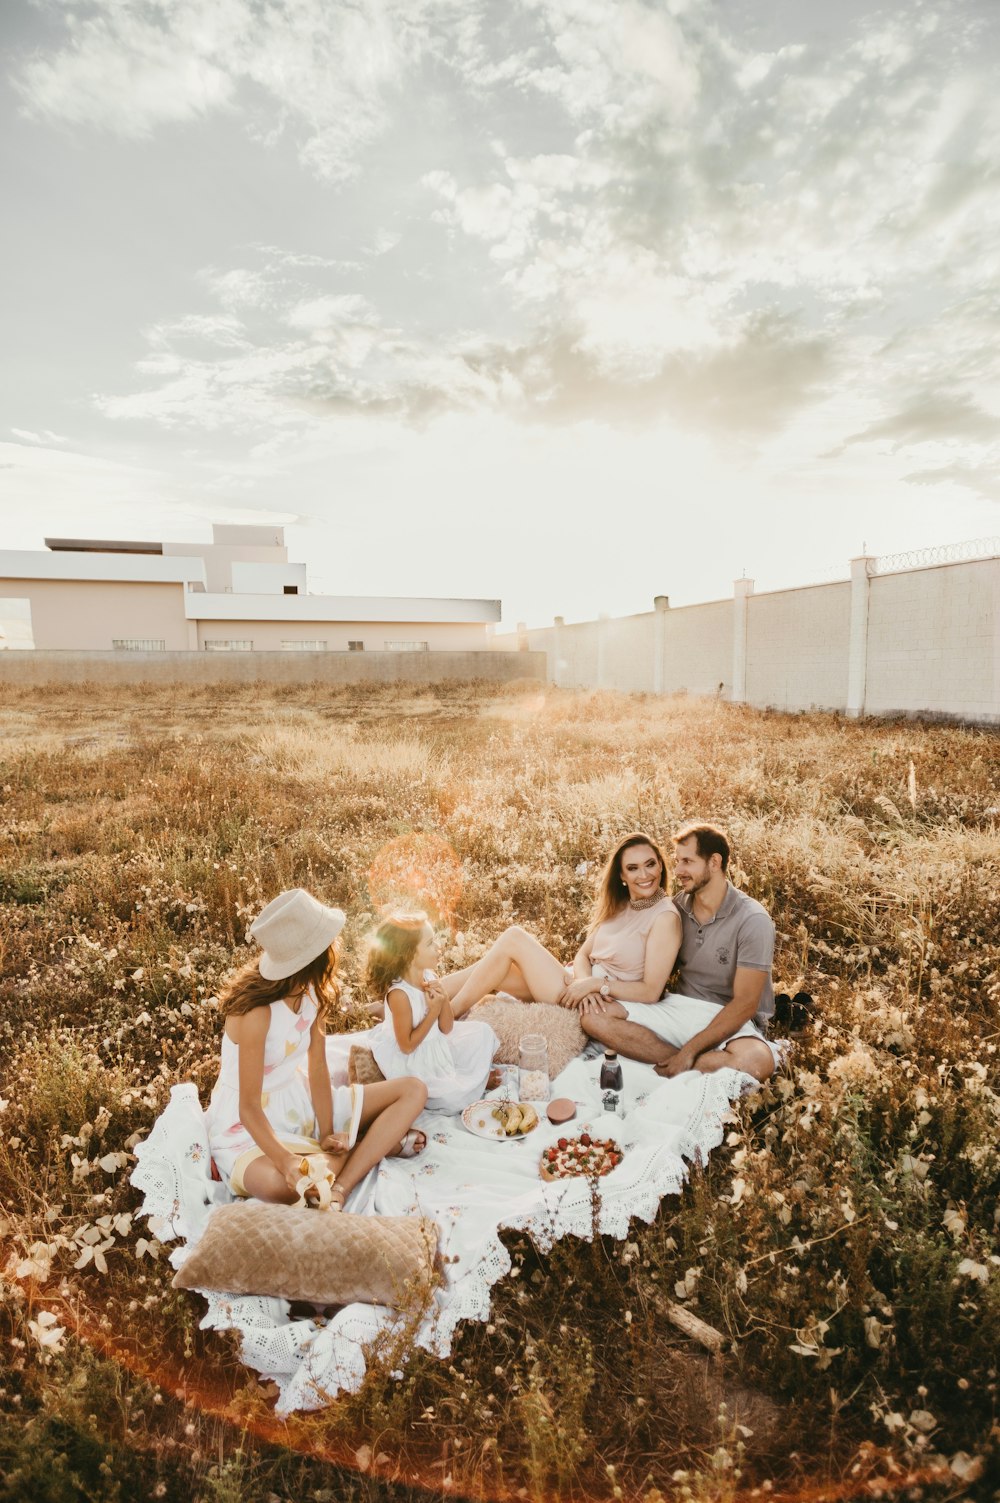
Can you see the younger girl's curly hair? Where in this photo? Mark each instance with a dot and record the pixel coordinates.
(391, 949)
(247, 988)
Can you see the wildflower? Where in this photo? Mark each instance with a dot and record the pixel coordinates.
(45, 1332)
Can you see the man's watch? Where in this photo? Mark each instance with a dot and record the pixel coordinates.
(605, 989)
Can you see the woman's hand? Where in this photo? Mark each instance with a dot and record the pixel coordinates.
(579, 990)
(335, 1142)
(293, 1172)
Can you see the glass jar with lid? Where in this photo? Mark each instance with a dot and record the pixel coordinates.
(533, 1068)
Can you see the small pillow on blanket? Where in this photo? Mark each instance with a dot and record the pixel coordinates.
(326, 1258)
(361, 1067)
(559, 1026)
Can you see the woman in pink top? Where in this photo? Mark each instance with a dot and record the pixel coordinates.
(629, 951)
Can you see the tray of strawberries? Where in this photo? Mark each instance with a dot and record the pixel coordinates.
(584, 1156)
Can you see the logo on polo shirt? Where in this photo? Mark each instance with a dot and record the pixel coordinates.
(722, 954)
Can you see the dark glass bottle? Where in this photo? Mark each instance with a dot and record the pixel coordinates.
(611, 1072)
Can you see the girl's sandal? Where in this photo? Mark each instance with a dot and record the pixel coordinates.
(412, 1143)
(338, 1195)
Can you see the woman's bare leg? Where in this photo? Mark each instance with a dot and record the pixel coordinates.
(513, 982)
(542, 973)
(389, 1110)
(264, 1181)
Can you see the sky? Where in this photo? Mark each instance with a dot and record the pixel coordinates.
(566, 302)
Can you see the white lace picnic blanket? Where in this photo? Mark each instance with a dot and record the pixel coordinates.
(470, 1187)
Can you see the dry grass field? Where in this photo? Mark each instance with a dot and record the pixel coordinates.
(845, 1237)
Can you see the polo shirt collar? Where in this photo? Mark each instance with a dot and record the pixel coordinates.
(685, 902)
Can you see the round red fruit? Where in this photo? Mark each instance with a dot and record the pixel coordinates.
(585, 1139)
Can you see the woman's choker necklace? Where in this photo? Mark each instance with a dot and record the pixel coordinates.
(639, 903)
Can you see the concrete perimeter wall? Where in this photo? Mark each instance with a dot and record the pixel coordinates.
(37, 668)
(934, 641)
(797, 645)
(890, 640)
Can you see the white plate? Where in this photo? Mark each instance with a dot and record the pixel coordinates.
(479, 1119)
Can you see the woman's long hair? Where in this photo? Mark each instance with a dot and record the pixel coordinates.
(612, 894)
(248, 989)
(391, 949)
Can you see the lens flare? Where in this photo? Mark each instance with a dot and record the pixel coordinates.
(418, 869)
(203, 1389)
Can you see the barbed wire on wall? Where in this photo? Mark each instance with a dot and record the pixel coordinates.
(924, 558)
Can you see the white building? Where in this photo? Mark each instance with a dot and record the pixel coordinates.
(238, 593)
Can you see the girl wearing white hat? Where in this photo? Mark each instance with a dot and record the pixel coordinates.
(273, 1104)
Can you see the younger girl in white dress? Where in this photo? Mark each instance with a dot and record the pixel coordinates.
(273, 1103)
(419, 1036)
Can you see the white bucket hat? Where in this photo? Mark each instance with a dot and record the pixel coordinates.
(292, 930)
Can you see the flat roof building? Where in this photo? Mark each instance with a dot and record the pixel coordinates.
(238, 593)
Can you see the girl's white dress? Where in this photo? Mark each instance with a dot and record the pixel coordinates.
(285, 1095)
(453, 1066)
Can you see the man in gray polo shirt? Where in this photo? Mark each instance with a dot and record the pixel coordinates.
(716, 1019)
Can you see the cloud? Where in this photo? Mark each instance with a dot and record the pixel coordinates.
(982, 480)
(602, 210)
(126, 69)
(45, 438)
(749, 385)
(932, 416)
(328, 311)
(324, 70)
(744, 373)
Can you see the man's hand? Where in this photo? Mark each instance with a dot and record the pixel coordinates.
(683, 1060)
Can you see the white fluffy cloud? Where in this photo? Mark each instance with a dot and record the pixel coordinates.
(129, 66)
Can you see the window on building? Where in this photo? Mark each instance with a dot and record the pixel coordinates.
(303, 646)
(406, 646)
(290, 589)
(228, 644)
(139, 644)
(355, 647)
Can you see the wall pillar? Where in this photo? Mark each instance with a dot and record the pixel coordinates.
(661, 605)
(857, 652)
(557, 669)
(603, 627)
(742, 590)
(522, 636)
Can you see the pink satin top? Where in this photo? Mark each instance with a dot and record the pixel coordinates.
(619, 944)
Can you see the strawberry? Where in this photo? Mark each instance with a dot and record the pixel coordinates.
(563, 1143)
(585, 1139)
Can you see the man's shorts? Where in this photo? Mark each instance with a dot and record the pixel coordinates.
(677, 1019)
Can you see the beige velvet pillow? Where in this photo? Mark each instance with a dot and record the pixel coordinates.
(361, 1066)
(327, 1258)
(559, 1026)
